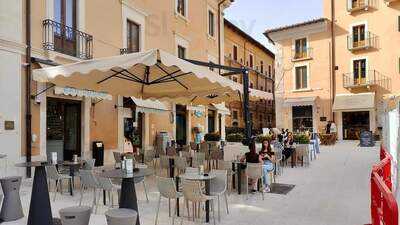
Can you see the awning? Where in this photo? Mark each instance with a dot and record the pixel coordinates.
(151, 74)
(301, 101)
(222, 109)
(354, 102)
(149, 106)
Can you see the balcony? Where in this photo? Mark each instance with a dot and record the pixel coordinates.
(301, 55)
(358, 5)
(67, 40)
(370, 41)
(373, 78)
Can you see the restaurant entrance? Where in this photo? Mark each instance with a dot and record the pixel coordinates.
(181, 124)
(354, 123)
(63, 128)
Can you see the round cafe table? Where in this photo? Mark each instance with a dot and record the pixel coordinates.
(72, 167)
(128, 198)
(207, 179)
(39, 208)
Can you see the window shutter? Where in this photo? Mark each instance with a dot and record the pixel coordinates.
(398, 23)
(349, 5)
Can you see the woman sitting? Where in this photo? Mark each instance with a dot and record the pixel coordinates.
(252, 157)
(268, 157)
(288, 150)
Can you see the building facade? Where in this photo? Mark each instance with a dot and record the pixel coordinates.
(339, 70)
(241, 50)
(67, 120)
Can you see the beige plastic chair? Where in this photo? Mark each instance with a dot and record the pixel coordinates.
(88, 181)
(193, 146)
(218, 187)
(180, 164)
(198, 159)
(52, 174)
(164, 163)
(227, 165)
(186, 148)
(117, 158)
(149, 157)
(203, 147)
(166, 187)
(254, 171)
(110, 188)
(192, 192)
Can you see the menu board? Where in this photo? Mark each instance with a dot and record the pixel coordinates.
(367, 139)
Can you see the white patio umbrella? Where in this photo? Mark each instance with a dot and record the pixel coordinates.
(150, 74)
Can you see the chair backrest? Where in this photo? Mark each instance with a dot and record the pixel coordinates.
(149, 155)
(191, 170)
(52, 172)
(166, 187)
(193, 146)
(185, 154)
(198, 159)
(219, 183)
(216, 155)
(204, 147)
(278, 154)
(88, 179)
(104, 183)
(186, 148)
(117, 157)
(254, 170)
(224, 165)
(180, 163)
(164, 161)
(171, 151)
(89, 164)
(192, 191)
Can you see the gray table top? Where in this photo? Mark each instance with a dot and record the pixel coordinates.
(32, 164)
(198, 177)
(118, 173)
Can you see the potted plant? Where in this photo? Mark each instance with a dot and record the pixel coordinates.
(235, 137)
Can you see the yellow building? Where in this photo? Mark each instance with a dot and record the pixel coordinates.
(62, 32)
(241, 50)
(338, 71)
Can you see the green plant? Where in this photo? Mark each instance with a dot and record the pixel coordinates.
(212, 137)
(235, 137)
(301, 139)
(260, 138)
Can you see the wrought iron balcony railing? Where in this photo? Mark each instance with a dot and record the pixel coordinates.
(357, 5)
(372, 78)
(67, 40)
(301, 55)
(370, 41)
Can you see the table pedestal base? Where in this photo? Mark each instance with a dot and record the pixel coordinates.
(40, 209)
(128, 197)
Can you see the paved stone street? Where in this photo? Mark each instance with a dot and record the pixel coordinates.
(334, 190)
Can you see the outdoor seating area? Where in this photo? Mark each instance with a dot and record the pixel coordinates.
(196, 183)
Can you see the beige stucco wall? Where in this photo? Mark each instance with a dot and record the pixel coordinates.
(103, 19)
(381, 20)
(258, 80)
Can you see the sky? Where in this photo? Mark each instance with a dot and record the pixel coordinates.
(255, 16)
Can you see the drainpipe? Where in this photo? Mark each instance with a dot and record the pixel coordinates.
(333, 51)
(219, 33)
(28, 116)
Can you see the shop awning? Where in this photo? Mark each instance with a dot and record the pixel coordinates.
(151, 74)
(301, 101)
(81, 93)
(149, 106)
(354, 102)
(222, 109)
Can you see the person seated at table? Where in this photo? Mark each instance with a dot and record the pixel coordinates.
(268, 157)
(288, 146)
(252, 157)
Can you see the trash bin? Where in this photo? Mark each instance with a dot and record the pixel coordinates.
(98, 153)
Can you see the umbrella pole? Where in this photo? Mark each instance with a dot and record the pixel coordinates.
(247, 119)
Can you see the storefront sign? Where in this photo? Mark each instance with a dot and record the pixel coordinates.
(82, 93)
